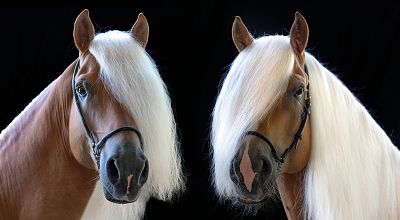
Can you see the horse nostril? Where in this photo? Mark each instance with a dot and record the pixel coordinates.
(112, 171)
(145, 173)
(265, 168)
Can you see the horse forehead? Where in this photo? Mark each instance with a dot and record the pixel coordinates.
(89, 64)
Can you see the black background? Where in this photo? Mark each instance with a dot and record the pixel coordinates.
(191, 44)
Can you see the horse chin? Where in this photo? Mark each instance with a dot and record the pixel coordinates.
(251, 200)
(256, 196)
(246, 201)
(121, 199)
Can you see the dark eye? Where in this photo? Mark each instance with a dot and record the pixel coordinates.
(81, 90)
(299, 91)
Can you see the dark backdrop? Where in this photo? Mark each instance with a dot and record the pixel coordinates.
(191, 44)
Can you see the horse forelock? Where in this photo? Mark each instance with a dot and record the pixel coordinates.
(257, 79)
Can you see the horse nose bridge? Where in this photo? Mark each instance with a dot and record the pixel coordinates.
(131, 160)
(252, 153)
(124, 137)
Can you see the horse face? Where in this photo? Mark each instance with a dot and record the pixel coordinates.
(123, 167)
(121, 163)
(254, 169)
(257, 164)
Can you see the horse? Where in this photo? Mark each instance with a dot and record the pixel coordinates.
(284, 126)
(99, 141)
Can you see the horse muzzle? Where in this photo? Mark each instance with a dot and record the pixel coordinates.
(123, 171)
(252, 173)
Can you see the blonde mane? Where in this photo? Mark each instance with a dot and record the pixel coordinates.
(353, 168)
(131, 76)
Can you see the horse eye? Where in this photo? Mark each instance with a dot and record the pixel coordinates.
(81, 91)
(299, 91)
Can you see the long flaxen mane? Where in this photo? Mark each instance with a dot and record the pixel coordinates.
(352, 172)
(353, 168)
(131, 76)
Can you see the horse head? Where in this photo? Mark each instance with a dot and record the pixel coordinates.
(260, 126)
(103, 133)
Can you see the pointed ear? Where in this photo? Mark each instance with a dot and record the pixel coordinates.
(83, 31)
(240, 35)
(299, 34)
(140, 30)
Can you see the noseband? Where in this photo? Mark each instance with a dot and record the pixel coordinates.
(97, 146)
(299, 134)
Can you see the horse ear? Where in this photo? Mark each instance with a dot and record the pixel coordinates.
(240, 35)
(140, 30)
(83, 31)
(299, 34)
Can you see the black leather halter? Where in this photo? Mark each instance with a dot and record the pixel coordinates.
(97, 146)
(297, 137)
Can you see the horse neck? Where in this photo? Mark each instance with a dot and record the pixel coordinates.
(290, 188)
(36, 162)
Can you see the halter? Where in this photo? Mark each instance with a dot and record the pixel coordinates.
(97, 147)
(299, 134)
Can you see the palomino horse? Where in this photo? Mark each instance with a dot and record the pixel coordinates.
(116, 123)
(282, 121)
